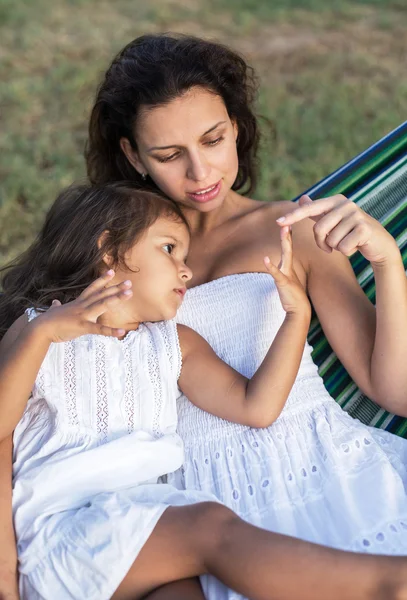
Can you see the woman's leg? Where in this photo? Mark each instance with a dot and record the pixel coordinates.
(209, 538)
(187, 589)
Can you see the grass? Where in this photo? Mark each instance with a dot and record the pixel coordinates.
(333, 82)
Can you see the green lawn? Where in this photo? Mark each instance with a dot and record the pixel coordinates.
(333, 82)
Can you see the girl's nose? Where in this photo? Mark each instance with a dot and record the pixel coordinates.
(186, 273)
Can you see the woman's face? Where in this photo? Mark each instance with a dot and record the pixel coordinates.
(188, 147)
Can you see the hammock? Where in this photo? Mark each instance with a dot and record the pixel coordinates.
(377, 181)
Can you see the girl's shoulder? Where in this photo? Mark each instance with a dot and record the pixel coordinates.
(13, 332)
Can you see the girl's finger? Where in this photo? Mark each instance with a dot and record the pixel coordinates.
(286, 263)
(277, 275)
(106, 292)
(95, 310)
(313, 210)
(55, 303)
(98, 284)
(98, 329)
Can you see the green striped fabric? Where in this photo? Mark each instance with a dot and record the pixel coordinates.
(379, 187)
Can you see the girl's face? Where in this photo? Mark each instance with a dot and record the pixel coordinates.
(156, 267)
(188, 147)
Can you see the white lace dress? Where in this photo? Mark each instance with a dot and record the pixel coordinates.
(316, 473)
(98, 431)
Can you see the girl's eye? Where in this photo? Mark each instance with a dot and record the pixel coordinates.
(215, 142)
(169, 248)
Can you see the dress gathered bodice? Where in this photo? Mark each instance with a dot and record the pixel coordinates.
(315, 473)
(239, 316)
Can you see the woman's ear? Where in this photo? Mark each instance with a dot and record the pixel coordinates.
(131, 155)
(235, 129)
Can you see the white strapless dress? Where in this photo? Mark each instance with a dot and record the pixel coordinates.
(316, 473)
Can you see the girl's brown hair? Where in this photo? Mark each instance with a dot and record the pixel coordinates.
(67, 254)
(153, 70)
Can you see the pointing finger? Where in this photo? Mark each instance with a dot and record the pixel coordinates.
(311, 210)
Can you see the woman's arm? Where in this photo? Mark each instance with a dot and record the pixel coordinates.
(215, 387)
(371, 344)
(8, 551)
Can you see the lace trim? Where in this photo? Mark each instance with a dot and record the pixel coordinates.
(102, 410)
(129, 399)
(154, 373)
(70, 382)
(163, 328)
(178, 351)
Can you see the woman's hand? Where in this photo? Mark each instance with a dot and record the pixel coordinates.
(79, 317)
(292, 294)
(341, 225)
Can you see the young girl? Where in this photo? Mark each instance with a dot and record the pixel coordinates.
(100, 367)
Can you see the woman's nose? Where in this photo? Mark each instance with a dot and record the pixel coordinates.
(198, 168)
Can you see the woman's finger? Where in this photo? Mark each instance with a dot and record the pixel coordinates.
(338, 233)
(312, 210)
(286, 263)
(352, 241)
(98, 284)
(324, 227)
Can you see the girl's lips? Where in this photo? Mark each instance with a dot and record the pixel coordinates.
(181, 291)
(205, 196)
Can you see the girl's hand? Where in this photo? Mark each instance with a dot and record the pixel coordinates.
(292, 295)
(62, 323)
(341, 225)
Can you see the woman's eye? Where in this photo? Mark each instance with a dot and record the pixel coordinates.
(215, 142)
(168, 248)
(166, 158)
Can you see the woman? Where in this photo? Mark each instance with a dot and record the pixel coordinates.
(176, 114)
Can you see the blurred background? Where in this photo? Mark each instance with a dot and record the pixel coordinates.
(333, 81)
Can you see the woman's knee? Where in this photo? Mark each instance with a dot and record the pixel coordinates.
(213, 523)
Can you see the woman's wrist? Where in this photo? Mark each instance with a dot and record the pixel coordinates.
(392, 257)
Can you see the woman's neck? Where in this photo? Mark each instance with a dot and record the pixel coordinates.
(203, 223)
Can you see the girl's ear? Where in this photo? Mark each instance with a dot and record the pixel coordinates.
(131, 155)
(106, 258)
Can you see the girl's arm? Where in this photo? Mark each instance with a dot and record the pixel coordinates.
(371, 343)
(215, 387)
(25, 345)
(8, 551)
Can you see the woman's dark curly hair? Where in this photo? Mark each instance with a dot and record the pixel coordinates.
(153, 70)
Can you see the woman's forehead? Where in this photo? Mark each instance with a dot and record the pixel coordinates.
(188, 116)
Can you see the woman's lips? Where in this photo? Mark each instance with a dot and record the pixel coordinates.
(207, 194)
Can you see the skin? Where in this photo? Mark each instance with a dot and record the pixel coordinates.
(231, 233)
(206, 537)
